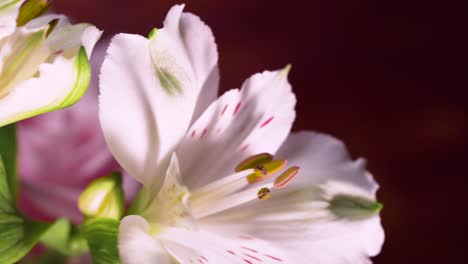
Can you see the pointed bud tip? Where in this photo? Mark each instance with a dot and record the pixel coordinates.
(152, 33)
(285, 72)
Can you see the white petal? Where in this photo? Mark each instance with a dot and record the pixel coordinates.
(239, 124)
(323, 158)
(200, 246)
(47, 79)
(185, 61)
(8, 12)
(58, 85)
(127, 85)
(299, 217)
(149, 90)
(137, 246)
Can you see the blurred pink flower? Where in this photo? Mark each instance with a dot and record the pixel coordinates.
(61, 152)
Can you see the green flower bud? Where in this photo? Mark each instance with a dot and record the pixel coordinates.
(103, 198)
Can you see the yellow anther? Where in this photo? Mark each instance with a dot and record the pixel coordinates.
(253, 161)
(266, 170)
(286, 177)
(263, 193)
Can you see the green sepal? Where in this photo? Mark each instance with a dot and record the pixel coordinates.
(30, 10)
(8, 152)
(102, 237)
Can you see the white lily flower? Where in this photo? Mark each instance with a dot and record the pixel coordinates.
(8, 12)
(203, 172)
(43, 65)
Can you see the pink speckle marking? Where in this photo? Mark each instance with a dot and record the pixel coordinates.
(231, 252)
(244, 148)
(250, 256)
(203, 132)
(224, 109)
(58, 52)
(247, 261)
(237, 108)
(193, 133)
(266, 122)
(273, 257)
(202, 257)
(249, 249)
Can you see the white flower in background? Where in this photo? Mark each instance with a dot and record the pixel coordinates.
(211, 193)
(43, 62)
(8, 12)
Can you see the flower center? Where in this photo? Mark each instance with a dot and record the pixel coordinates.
(242, 186)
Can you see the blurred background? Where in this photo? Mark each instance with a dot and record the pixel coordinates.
(389, 78)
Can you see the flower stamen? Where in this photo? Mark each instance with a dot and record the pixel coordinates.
(253, 161)
(286, 177)
(266, 170)
(263, 193)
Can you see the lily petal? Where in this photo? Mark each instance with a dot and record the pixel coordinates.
(137, 246)
(239, 124)
(300, 217)
(127, 85)
(192, 246)
(323, 158)
(150, 89)
(39, 76)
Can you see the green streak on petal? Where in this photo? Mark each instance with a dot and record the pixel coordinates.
(8, 4)
(83, 79)
(354, 207)
(52, 24)
(169, 82)
(23, 61)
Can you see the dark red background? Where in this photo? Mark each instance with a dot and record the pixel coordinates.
(387, 77)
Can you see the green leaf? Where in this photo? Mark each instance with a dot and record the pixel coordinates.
(17, 234)
(102, 237)
(8, 151)
(17, 237)
(64, 238)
